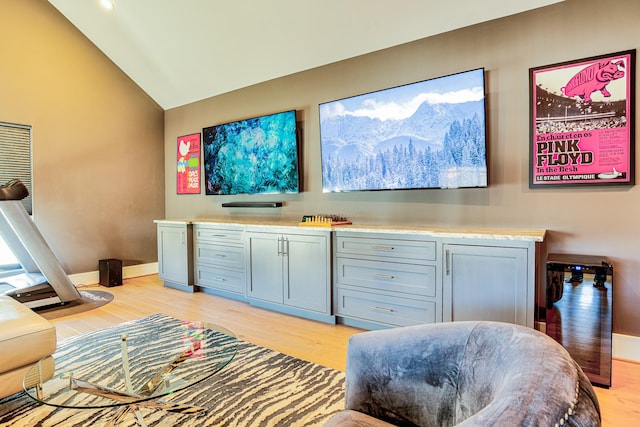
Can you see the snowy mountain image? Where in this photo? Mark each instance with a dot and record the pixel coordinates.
(426, 135)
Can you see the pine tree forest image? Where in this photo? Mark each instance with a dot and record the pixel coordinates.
(462, 157)
(429, 134)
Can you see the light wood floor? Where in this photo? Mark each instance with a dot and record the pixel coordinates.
(317, 342)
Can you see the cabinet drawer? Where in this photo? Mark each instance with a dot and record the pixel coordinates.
(204, 233)
(218, 255)
(387, 248)
(385, 308)
(388, 276)
(228, 280)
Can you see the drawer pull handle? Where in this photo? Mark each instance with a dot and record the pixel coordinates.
(383, 248)
(382, 276)
(386, 310)
(220, 279)
(221, 255)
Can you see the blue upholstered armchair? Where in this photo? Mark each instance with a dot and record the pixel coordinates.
(464, 373)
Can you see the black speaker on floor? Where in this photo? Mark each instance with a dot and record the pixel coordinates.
(110, 272)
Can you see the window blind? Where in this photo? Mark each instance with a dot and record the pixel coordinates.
(15, 157)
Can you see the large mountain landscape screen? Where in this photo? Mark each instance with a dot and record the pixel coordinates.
(429, 134)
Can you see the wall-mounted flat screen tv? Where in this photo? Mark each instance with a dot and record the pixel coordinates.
(429, 134)
(252, 156)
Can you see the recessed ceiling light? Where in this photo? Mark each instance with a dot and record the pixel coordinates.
(107, 4)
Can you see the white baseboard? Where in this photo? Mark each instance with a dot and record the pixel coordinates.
(623, 346)
(93, 277)
(626, 347)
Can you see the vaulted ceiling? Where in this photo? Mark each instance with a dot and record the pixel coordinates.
(182, 51)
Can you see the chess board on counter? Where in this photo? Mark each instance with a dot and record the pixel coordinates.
(323, 220)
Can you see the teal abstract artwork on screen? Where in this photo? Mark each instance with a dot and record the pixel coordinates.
(252, 156)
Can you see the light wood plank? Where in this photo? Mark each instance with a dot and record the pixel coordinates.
(306, 339)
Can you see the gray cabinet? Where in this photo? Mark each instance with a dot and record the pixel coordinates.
(489, 280)
(291, 272)
(266, 253)
(386, 279)
(175, 254)
(377, 277)
(307, 272)
(219, 260)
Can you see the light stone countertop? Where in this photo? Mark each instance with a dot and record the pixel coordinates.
(524, 234)
(535, 235)
(173, 221)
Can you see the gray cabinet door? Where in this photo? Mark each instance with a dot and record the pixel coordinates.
(307, 272)
(290, 269)
(173, 253)
(265, 258)
(486, 283)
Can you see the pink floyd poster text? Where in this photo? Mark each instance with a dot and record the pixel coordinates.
(581, 123)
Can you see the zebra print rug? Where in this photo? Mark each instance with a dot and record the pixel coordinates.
(260, 387)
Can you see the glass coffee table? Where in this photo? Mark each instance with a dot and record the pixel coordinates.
(134, 369)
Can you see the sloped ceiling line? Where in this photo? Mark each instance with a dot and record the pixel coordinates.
(182, 52)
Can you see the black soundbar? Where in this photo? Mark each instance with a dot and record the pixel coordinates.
(252, 205)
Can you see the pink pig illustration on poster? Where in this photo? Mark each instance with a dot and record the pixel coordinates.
(595, 77)
(582, 122)
(188, 164)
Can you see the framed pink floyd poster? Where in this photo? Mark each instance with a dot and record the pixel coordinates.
(582, 122)
(188, 164)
